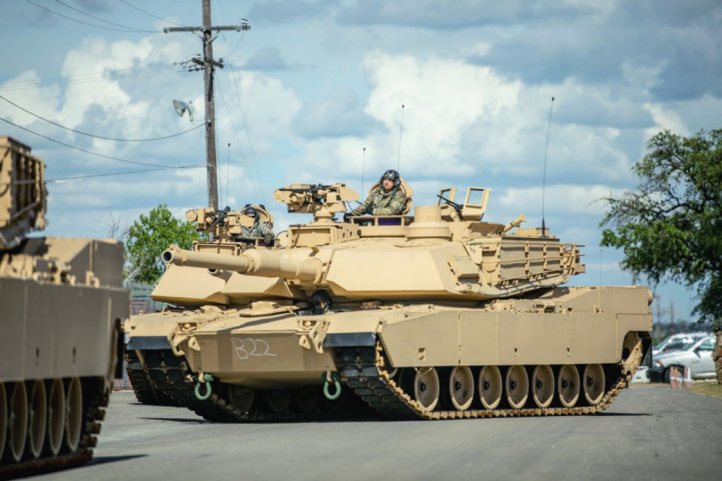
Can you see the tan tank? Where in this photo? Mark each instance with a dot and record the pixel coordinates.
(62, 305)
(440, 315)
(145, 358)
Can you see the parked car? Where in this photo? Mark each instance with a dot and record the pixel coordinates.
(677, 342)
(695, 355)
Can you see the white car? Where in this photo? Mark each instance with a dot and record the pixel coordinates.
(677, 341)
(697, 356)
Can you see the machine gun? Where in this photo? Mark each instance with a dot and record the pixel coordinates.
(323, 201)
(226, 224)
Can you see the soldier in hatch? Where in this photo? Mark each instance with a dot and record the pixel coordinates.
(259, 229)
(388, 199)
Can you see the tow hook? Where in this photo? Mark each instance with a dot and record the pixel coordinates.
(204, 379)
(328, 379)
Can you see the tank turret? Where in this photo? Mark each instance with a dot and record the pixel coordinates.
(441, 252)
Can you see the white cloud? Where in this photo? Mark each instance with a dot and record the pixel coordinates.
(441, 97)
(664, 119)
(560, 199)
(267, 105)
(27, 90)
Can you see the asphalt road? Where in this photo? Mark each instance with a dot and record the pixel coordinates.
(649, 433)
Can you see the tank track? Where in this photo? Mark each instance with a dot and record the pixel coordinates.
(143, 389)
(94, 410)
(172, 376)
(362, 369)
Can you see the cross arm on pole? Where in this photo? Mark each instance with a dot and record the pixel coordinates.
(237, 28)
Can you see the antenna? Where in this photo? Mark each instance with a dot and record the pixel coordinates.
(228, 169)
(363, 170)
(401, 130)
(544, 174)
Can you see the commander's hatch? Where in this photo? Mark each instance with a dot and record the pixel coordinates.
(471, 209)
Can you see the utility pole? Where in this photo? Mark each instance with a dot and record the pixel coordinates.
(208, 65)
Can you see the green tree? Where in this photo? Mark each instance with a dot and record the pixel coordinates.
(671, 227)
(149, 236)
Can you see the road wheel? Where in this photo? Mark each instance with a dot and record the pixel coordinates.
(278, 400)
(594, 383)
(461, 387)
(427, 387)
(37, 419)
(306, 399)
(73, 414)
(3, 419)
(17, 421)
(542, 382)
(241, 397)
(490, 386)
(517, 386)
(56, 417)
(568, 385)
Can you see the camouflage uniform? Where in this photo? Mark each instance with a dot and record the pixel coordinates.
(259, 230)
(383, 203)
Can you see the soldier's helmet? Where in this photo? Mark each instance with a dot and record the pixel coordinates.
(250, 212)
(391, 174)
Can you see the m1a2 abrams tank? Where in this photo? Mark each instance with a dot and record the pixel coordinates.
(157, 376)
(61, 304)
(437, 316)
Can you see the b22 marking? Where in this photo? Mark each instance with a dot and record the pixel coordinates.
(247, 347)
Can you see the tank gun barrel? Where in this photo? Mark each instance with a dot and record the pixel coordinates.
(255, 262)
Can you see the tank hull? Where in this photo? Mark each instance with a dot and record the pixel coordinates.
(58, 355)
(603, 330)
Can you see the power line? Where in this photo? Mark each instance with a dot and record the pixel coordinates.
(87, 23)
(110, 157)
(100, 19)
(208, 64)
(35, 82)
(151, 15)
(253, 170)
(99, 136)
(238, 44)
(245, 128)
(243, 32)
(128, 172)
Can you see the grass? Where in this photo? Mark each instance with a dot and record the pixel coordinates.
(708, 388)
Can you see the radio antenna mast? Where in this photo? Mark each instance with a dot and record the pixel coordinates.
(363, 170)
(401, 130)
(544, 173)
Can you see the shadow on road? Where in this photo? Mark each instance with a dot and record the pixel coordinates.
(178, 420)
(112, 459)
(605, 414)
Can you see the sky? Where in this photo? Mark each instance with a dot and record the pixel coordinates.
(449, 93)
